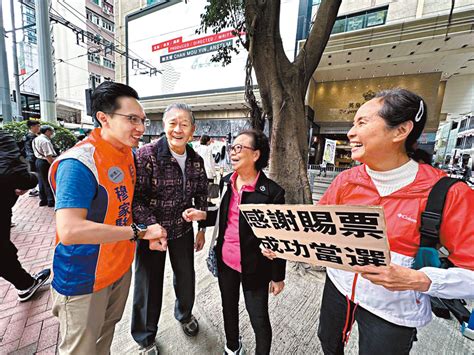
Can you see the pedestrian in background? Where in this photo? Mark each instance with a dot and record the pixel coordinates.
(239, 260)
(33, 131)
(94, 184)
(44, 152)
(15, 180)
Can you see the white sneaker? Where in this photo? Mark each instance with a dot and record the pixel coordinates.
(239, 351)
(150, 350)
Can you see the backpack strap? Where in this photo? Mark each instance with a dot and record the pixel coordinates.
(431, 217)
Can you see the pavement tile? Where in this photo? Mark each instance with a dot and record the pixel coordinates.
(39, 317)
(8, 348)
(22, 324)
(50, 322)
(25, 350)
(3, 325)
(14, 331)
(30, 334)
(11, 296)
(29, 312)
(9, 304)
(48, 337)
(49, 351)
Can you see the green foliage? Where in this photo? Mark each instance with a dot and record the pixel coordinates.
(220, 15)
(62, 140)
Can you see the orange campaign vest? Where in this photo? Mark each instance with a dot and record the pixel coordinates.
(86, 268)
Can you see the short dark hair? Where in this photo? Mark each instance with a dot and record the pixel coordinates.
(260, 143)
(45, 128)
(104, 98)
(204, 139)
(400, 105)
(32, 123)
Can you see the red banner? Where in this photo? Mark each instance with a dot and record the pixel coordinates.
(177, 44)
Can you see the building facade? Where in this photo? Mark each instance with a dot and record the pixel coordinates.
(377, 45)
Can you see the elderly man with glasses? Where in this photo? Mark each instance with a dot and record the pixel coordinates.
(171, 178)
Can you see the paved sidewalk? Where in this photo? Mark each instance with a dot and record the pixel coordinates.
(29, 327)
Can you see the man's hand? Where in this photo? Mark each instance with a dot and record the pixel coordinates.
(200, 240)
(19, 192)
(156, 235)
(192, 214)
(395, 277)
(276, 287)
(268, 253)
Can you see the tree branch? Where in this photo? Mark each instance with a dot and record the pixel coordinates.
(308, 59)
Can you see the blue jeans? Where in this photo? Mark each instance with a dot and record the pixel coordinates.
(376, 335)
(256, 303)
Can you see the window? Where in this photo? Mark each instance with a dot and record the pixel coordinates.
(316, 2)
(108, 63)
(97, 2)
(29, 18)
(108, 8)
(353, 22)
(109, 26)
(94, 58)
(94, 79)
(376, 18)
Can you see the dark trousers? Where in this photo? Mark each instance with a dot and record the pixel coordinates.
(11, 269)
(376, 335)
(45, 192)
(256, 303)
(148, 290)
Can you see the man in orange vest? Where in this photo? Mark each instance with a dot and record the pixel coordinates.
(94, 185)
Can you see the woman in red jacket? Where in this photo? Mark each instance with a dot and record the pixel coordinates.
(390, 302)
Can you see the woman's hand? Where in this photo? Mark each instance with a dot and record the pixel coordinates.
(192, 214)
(395, 277)
(200, 240)
(276, 287)
(268, 253)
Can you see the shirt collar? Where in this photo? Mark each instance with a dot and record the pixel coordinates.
(251, 187)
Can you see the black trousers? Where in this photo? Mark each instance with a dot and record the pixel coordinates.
(376, 335)
(11, 270)
(45, 192)
(148, 290)
(256, 303)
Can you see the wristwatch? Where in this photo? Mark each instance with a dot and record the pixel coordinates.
(139, 231)
(202, 229)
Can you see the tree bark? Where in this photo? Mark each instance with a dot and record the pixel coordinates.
(283, 86)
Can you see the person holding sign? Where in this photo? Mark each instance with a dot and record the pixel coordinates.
(239, 259)
(390, 302)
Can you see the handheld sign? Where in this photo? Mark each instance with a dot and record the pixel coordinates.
(336, 236)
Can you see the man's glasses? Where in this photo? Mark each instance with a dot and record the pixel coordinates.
(135, 120)
(237, 148)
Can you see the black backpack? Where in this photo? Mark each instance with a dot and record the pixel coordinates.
(431, 219)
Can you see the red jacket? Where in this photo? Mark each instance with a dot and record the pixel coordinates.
(403, 210)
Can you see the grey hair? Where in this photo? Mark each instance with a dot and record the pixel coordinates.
(180, 106)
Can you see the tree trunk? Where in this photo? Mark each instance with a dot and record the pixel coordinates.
(280, 83)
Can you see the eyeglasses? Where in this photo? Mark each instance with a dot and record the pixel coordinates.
(237, 148)
(135, 120)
